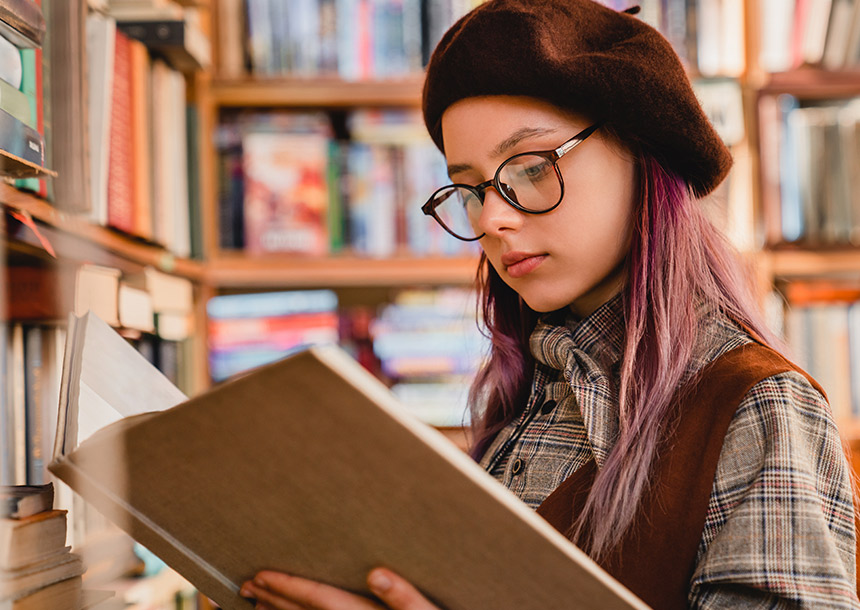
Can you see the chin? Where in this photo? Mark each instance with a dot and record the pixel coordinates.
(544, 304)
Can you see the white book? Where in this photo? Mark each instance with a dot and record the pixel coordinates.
(101, 42)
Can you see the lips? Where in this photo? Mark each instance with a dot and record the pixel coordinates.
(517, 264)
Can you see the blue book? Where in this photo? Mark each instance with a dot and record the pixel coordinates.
(269, 304)
(789, 172)
(21, 140)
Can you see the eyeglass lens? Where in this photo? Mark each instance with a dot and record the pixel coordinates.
(529, 181)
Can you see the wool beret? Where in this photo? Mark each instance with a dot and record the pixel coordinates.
(581, 56)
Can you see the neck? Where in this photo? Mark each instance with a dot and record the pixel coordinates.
(607, 288)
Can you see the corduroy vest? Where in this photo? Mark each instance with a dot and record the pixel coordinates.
(657, 557)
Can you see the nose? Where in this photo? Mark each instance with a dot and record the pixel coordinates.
(497, 215)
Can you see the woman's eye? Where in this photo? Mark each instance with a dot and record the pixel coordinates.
(537, 170)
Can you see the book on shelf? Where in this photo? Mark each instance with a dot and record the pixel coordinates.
(33, 88)
(22, 146)
(340, 507)
(376, 182)
(249, 330)
(31, 360)
(286, 193)
(809, 188)
(22, 22)
(121, 187)
(799, 33)
(822, 327)
(15, 102)
(32, 539)
(179, 41)
(66, 98)
(170, 195)
(64, 595)
(19, 501)
(11, 67)
(37, 569)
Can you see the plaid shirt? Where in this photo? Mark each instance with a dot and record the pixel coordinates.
(779, 531)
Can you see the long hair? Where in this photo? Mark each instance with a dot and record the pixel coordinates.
(677, 260)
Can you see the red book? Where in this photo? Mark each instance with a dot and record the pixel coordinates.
(121, 214)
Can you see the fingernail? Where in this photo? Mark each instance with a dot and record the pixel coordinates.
(245, 592)
(379, 582)
(260, 582)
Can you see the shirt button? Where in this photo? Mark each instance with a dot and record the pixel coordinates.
(517, 466)
(548, 406)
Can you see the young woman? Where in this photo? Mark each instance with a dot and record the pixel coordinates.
(632, 395)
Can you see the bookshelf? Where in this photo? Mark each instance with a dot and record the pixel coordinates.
(323, 92)
(237, 271)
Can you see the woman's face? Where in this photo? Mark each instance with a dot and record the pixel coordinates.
(572, 256)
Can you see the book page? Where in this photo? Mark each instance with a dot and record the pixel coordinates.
(115, 381)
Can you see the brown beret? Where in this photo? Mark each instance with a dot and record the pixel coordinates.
(582, 56)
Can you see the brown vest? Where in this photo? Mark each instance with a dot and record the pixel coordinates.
(657, 557)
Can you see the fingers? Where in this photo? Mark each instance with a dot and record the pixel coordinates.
(397, 593)
(284, 592)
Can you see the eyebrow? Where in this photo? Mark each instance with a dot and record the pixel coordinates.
(505, 145)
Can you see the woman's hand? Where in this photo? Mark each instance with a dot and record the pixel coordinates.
(278, 591)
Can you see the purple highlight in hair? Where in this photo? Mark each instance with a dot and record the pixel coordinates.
(678, 261)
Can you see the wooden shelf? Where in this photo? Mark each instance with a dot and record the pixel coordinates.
(329, 92)
(806, 263)
(239, 271)
(75, 238)
(811, 83)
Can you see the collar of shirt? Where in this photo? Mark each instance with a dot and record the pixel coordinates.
(588, 354)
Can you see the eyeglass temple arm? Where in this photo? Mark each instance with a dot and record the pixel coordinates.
(577, 140)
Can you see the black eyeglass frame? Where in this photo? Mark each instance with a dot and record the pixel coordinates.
(552, 155)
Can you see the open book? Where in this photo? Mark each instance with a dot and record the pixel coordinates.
(309, 466)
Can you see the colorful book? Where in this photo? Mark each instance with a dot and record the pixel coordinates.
(286, 193)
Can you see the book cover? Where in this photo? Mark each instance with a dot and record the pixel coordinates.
(286, 193)
(342, 505)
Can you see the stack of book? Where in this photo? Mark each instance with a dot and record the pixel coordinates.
(22, 144)
(37, 569)
(249, 330)
(430, 348)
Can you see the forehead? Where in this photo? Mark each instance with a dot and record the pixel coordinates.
(480, 124)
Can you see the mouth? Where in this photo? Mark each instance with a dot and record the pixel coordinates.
(519, 264)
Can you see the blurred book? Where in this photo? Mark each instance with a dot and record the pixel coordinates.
(249, 330)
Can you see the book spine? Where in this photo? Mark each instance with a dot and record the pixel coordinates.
(120, 186)
(34, 387)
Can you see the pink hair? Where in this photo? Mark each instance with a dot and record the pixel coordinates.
(677, 259)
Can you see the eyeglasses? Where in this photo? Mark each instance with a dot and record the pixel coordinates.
(530, 182)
